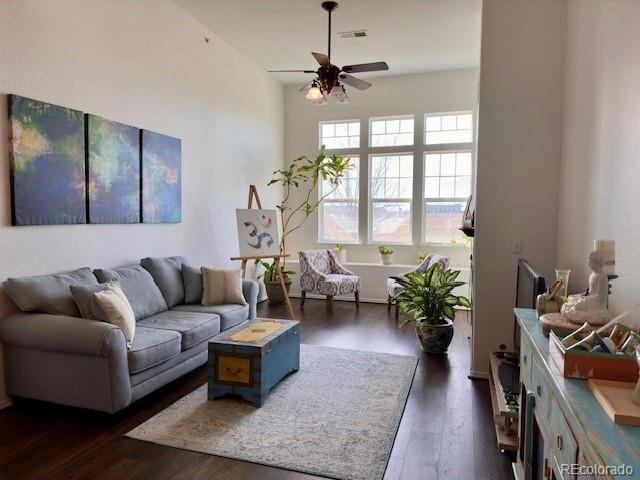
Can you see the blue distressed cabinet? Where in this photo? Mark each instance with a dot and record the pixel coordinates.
(251, 359)
(561, 422)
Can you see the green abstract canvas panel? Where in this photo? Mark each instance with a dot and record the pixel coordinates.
(114, 171)
(161, 178)
(48, 184)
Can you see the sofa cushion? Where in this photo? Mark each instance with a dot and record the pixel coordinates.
(48, 293)
(151, 347)
(86, 302)
(138, 286)
(192, 278)
(194, 327)
(167, 273)
(222, 287)
(230, 315)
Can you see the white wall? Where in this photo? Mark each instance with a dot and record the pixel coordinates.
(601, 147)
(144, 63)
(519, 153)
(407, 94)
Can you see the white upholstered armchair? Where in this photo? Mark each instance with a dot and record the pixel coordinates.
(321, 273)
(393, 288)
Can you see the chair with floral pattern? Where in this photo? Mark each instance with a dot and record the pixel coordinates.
(321, 273)
(393, 288)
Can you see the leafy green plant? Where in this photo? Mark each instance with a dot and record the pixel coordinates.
(427, 297)
(384, 250)
(421, 256)
(306, 174)
(270, 273)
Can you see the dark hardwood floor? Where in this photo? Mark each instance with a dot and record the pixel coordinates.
(446, 432)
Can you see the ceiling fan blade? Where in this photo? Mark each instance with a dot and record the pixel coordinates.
(354, 81)
(291, 71)
(306, 86)
(322, 59)
(366, 67)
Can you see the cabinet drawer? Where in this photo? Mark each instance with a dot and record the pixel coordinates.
(525, 361)
(563, 447)
(542, 390)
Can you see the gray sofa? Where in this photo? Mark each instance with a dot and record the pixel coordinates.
(52, 353)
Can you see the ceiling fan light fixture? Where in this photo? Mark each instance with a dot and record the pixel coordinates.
(338, 94)
(314, 94)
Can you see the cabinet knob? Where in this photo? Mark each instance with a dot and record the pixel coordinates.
(559, 442)
(236, 371)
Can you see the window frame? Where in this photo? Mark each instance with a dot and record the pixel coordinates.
(328, 241)
(371, 201)
(330, 122)
(449, 145)
(407, 116)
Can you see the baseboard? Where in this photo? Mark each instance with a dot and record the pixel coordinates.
(339, 299)
(474, 375)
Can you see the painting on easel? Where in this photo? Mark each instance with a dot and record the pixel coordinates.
(257, 232)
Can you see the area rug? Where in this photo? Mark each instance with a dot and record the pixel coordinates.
(337, 417)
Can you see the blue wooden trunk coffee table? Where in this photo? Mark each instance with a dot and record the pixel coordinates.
(249, 360)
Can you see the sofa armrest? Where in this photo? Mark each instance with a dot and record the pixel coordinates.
(57, 333)
(250, 290)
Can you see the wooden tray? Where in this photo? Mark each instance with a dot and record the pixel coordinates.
(615, 399)
(585, 365)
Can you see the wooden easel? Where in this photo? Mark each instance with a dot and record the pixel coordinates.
(253, 193)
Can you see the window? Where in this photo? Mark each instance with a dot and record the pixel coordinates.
(447, 184)
(448, 128)
(391, 191)
(335, 135)
(338, 213)
(391, 131)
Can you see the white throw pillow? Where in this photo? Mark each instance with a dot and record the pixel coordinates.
(222, 287)
(117, 308)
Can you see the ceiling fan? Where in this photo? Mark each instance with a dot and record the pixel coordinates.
(330, 78)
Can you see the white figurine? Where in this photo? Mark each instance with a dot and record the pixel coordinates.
(590, 306)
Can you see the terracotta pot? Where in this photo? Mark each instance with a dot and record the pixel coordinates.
(434, 338)
(275, 293)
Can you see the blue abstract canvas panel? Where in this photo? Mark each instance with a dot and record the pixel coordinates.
(161, 178)
(114, 171)
(47, 155)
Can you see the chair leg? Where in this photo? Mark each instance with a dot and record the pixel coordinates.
(388, 303)
(397, 311)
(330, 303)
(303, 298)
(357, 294)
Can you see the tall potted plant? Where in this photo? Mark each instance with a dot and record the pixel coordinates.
(271, 282)
(303, 176)
(428, 298)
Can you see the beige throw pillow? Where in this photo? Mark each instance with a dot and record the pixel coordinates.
(222, 287)
(117, 309)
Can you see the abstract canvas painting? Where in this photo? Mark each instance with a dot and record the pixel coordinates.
(161, 178)
(114, 171)
(257, 232)
(48, 185)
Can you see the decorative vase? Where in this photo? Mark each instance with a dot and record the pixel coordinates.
(275, 293)
(342, 255)
(434, 338)
(387, 258)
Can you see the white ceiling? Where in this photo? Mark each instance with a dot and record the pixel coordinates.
(412, 36)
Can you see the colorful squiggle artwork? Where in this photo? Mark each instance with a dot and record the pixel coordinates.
(257, 232)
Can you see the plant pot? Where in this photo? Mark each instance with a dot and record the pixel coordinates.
(434, 338)
(275, 293)
(387, 258)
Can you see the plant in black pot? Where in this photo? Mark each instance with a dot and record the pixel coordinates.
(271, 283)
(428, 298)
